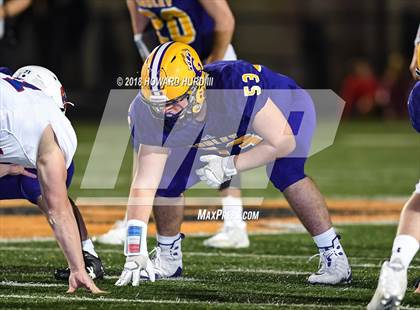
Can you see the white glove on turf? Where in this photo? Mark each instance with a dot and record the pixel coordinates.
(132, 267)
(218, 169)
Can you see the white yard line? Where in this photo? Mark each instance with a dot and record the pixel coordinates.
(377, 266)
(177, 301)
(179, 279)
(269, 271)
(30, 284)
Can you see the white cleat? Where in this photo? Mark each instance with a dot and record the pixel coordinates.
(229, 238)
(167, 260)
(116, 236)
(391, 289)
(334, 267)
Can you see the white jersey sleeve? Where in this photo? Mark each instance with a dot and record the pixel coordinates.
(417, 190)
(24, 115)
(417, 39)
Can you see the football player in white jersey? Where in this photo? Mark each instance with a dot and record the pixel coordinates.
(34, 133)
(392, 282)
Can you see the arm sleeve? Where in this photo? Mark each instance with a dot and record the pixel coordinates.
(417, 39)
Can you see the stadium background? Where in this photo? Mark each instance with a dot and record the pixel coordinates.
(366, 175)
(359, 49)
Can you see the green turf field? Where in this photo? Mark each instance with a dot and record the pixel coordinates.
(271, 272)
(368, 159)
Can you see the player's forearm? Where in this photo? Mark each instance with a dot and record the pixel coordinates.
(59, 213)
(264, 153)
(64, 225)
(138, 20)
(140, 204)
(221, 42)
(14, 7)
(224, 25)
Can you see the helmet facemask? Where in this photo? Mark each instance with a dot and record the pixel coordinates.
(158, 105)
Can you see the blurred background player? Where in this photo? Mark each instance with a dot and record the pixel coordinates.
(196, 122)
(47, 142)
(392, 282)
(208, 27)
(11, 8)
(21, 186)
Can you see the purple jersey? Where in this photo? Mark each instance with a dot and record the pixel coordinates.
(180, 20)
(236, 92)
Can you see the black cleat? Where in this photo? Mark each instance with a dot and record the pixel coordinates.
(93, 264)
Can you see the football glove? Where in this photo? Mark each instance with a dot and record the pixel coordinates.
(141, 47)
(217, 171)
(132, 267)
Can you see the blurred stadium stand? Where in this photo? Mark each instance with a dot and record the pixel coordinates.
(88, 43)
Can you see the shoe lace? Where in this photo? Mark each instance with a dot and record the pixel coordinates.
(155, 257)
(325, 259)
(321, 263)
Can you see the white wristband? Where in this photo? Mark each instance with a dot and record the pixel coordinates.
(136, 238)
(138, 37)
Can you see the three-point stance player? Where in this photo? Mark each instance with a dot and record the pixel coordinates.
(34, 133)
(192, 123)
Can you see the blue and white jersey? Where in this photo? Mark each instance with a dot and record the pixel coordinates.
(180, 20)
(25, 112)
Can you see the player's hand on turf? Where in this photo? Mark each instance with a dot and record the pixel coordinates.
(132, 267)
(7, 169)
(82, 280)
(218, 169)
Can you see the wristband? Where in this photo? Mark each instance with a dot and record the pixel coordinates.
(138, 37)
(135, 241)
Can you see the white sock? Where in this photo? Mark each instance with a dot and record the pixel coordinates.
(405, 248)
(232, 211)
(326, 239)
(136, 240)
(88, 246)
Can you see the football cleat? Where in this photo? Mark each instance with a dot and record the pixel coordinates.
(334, 266)
(167, 260)
(93, 266)
(229, 238)
(391, 288)
(116, 236)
